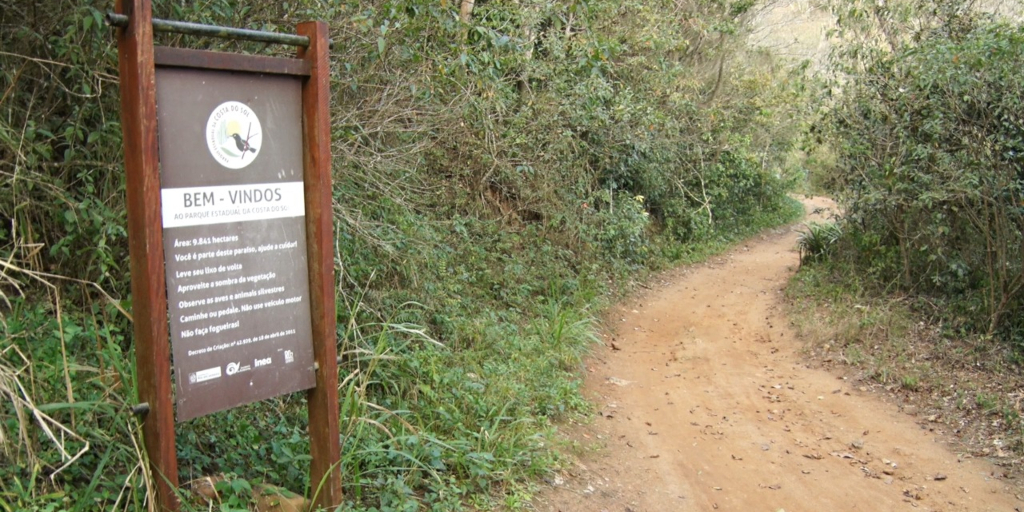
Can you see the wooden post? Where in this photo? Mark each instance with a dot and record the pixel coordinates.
(324, 444)
(145, 243)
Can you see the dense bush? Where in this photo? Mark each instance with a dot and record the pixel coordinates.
(930, 170)
(495, 177)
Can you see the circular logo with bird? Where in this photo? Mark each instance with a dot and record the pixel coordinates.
(234, 135)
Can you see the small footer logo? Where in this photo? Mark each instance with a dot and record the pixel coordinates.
(233, 368)
(204, 375)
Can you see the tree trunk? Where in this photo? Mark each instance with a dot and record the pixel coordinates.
(466, 10)
(886, 28)
(721, 71)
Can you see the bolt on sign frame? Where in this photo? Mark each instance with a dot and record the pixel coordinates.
(307, 235)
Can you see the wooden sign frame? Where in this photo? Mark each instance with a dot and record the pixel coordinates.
(137, 62)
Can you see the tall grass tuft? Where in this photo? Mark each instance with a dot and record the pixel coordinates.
(818, 241)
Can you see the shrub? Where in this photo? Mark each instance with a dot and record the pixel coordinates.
(930, 168)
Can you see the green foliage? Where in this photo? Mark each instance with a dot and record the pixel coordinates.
(621, 232)
(66, 388)
(494, 181)
(929, 173)
(818, 241)
(59, 144)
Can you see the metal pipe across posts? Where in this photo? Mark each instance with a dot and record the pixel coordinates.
(197, 29)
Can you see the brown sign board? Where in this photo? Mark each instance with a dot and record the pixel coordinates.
(228, 188)
(234, 236)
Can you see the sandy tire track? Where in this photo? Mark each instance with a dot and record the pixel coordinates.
(706, 403)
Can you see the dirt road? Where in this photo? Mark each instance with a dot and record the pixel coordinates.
(706, 403)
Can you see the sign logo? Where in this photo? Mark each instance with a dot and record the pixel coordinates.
(233, 368)
(204, 375)
(234, 135)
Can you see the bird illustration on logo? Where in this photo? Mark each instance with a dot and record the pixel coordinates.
(224, 134)
(242, 145)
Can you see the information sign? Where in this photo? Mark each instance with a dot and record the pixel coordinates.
(228, 191)
(234, 236)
